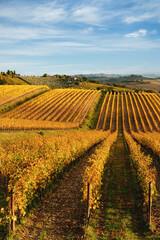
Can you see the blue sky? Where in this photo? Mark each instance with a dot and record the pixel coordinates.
(73, 37)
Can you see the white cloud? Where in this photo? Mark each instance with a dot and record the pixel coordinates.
(64, 48)
(36, 13)
(140, 18)
(87, 30)
(48, 13)
(137, 34)
(88, 14)
(45, 48)
(9, 33)
(70, 44)
(102, 29)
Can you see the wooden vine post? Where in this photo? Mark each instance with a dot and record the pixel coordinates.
(13, 216)
(88, 201)
(150, 204)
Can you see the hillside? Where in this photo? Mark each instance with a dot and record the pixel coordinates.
(99, 86)
(124, 122)
(58, 108)
(63, 81)
(113, 159)
(13, 95)
(9, 80)
(50, 81)
(153, 85)
(130, 81)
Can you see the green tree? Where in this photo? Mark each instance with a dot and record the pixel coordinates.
(45, 75)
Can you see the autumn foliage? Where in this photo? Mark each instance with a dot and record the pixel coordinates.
(8, 93)
(141, 163)
(94, 172)
(149, 140)
(59, 105)
(30, 164)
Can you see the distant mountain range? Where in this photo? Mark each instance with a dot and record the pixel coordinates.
(155, 75)
(104, 75)
(99, 75)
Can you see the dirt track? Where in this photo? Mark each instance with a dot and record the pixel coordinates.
(61, 214)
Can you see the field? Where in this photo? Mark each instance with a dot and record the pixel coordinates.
(11, 96)
(153, 84)
(51, 109)
(8, 93)
(46, 171)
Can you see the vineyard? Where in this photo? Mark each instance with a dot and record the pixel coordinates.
(10, 92)
(119, 157)
(141, 112)
(60, 108)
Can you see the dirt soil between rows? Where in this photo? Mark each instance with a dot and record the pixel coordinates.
(61, 214)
